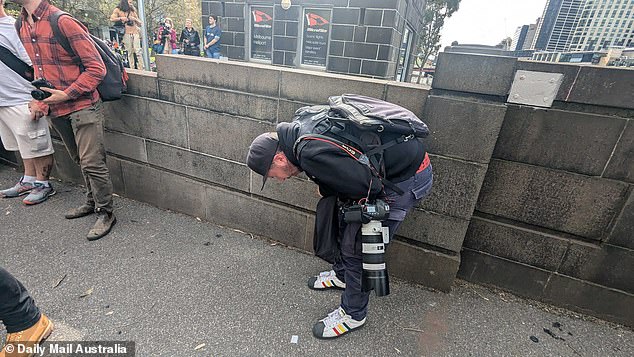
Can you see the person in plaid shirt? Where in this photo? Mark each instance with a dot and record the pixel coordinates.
(74, 107)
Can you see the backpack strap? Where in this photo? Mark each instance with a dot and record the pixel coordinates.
(59, 35)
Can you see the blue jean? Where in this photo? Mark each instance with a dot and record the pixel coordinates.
(350, 266)
(17, 309)
(212, 53)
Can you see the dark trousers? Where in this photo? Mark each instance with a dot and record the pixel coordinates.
(83, 135)
(17, 309)
(350, 264)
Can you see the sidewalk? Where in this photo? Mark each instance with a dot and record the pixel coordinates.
(171, 283)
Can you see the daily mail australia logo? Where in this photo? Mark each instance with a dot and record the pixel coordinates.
(261, 16)
(315, 20)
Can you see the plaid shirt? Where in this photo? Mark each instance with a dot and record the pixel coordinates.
(52, 62)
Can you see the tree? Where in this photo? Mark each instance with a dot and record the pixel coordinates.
(436, 11)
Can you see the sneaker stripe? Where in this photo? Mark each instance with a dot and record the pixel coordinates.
(346, 325)
(324, 284)
(336, 331)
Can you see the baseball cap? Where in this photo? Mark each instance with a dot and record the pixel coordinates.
(261, 153)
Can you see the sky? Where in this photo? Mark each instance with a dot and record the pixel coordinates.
(487, 22)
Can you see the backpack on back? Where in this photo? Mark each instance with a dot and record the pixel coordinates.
(113, 84)
(359, 125)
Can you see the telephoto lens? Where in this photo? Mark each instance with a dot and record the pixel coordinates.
(374, 275)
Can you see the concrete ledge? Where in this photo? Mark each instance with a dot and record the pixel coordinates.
(65, 168)
(608, 86)
(204, 167)
(461, 128)
(315, 87)
(228, 102)
(294, 191)
(471, 73)
(434, 229)
(125, 145)
(456, 187)
(409, 96)
(606, 265)
(610, 304)
(621, 165)
(142, 83)
(576, 142)
(422, 266)
(553, 199)
(623, 232)
(258, 217)
(244, 77)
(224, 136)
(596, 300)
(149, 119)
(517, 244)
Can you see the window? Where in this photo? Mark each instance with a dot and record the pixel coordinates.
(404, 54)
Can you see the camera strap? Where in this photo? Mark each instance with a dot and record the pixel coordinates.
(15, 64)
(351, 151)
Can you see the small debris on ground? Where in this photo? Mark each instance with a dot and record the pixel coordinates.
(294, 339)
(534, 339)
(199, 346)
(59, 281)
(86, 293)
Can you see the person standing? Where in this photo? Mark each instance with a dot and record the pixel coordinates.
(125, 13)
(19, 130)
(24, 322)
(345, 180)
(212, 38)
(190, 39)
(167, 36)
(76, 111)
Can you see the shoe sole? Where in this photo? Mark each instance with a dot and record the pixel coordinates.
(337, 336)
(18, 195)
(328, 288)
(114, 221)
(30, 203)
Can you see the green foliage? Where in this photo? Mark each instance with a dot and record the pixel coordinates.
(436, 11)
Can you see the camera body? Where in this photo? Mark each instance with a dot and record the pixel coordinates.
(39, 94)
(129, 23)
(366, 212)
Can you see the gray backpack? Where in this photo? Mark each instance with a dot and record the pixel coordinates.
(359, 125)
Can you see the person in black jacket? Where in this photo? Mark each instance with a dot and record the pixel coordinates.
(190, 40)
(338, 174)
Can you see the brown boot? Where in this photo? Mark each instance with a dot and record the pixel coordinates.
(27, 338)
(80, 211)
(104, 224)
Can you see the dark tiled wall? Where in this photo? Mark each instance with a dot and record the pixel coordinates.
(365, 35)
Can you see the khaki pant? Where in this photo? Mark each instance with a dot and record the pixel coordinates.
(82, 134)
(132, 43)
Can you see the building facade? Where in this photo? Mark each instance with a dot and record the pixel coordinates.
(558, 23)
(519, 38)
(604, 23)
(372, 38)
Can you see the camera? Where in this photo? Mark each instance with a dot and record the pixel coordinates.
(130, 23)
(165, 32)
(39, 94)
(364, 213)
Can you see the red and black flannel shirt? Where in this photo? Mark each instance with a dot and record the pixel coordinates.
(53, 63)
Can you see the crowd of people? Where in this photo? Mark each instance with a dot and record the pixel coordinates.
(165, 39)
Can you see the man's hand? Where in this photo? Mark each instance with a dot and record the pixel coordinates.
(57, 96)
(38, 109)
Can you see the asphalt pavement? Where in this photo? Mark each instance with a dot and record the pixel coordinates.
(178, 286)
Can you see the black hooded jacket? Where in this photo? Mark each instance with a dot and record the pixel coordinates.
(338, 174)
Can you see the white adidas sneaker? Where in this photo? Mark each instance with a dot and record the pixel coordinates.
(336, 324)
(326, 280)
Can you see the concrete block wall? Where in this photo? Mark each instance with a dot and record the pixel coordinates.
(179, 138)
(553, 220)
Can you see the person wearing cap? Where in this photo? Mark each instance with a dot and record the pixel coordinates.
(338, 174)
